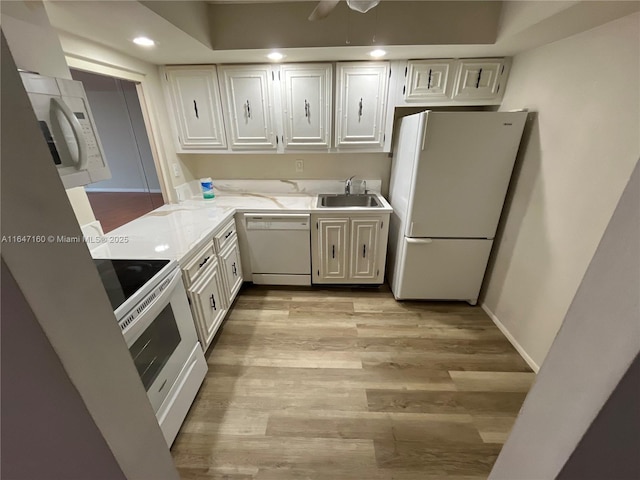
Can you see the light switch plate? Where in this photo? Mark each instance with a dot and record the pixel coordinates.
(299, 166)
(176, 170)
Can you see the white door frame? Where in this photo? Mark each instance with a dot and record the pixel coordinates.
(142, 89)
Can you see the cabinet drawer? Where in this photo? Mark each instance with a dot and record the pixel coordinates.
(197, 264)
(225, 236)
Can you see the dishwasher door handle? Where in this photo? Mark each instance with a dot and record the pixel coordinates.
(277, 222)
(294, 217)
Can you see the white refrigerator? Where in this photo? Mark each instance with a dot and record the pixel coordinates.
(449, 179)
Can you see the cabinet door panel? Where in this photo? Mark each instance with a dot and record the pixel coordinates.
(208, 304)
(364, 248)
(362, 96)
(195, 99)
(307, 105)
(478, 79)
(248, 101)
(332, 248)
(428, 80)
(232, 269)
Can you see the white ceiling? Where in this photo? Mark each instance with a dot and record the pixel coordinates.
(115, 23)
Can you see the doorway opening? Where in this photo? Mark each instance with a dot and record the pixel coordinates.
(133, 189)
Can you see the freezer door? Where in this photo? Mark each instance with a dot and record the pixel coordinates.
(462, 174)
(432, 269)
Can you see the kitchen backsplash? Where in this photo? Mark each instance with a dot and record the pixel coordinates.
(230, 187)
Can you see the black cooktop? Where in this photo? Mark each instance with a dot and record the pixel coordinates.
(123, 278)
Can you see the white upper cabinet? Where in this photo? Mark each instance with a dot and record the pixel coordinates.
(306, 105)
(248, 105)
(428, 80)
(479, 79)
(195, 101)
(361, 99)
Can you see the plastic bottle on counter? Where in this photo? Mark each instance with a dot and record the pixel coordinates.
(207, 188)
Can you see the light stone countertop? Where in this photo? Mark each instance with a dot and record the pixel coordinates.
(174, 231)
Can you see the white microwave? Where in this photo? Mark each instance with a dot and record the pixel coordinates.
(65, 119)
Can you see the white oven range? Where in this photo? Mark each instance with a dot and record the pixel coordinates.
(150, 304)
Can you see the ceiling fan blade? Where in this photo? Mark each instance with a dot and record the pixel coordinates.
(323, 9)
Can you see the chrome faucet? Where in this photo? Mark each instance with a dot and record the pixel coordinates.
(347, 185)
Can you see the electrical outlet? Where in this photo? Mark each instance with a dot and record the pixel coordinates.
(176, 170)
(299, 165)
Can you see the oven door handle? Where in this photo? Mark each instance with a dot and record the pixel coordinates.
(151, 311)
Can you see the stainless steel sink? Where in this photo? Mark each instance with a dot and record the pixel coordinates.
(366, 200)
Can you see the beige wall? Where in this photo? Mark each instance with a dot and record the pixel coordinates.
(579, 154)
(81, 206)
(598, 341)
(316, 166)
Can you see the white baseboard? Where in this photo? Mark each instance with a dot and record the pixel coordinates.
(525, 356)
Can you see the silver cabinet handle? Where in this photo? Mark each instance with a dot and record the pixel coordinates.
(248, 107)
(429, 83)
(360, 108)
(235, 271)
(195, 108)
(306, 108)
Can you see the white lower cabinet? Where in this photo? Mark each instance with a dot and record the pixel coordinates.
(231, 268)
(365, 233)
(349, 249)
(331, 249)
(208, 302)
(213, 277)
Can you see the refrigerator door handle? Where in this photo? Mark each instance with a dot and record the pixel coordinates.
(419, 240)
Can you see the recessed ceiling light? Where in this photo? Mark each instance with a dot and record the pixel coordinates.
(275, 56)
(144, 41)
(377, 53)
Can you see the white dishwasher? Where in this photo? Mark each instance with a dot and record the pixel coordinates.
(280, 248)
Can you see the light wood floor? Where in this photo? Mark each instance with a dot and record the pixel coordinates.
(348, 384)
